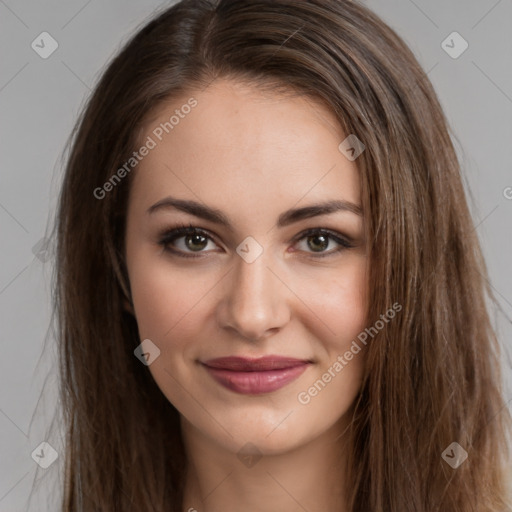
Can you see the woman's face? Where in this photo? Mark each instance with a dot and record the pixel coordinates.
(252, 174)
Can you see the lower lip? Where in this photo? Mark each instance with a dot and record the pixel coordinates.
(256, 383)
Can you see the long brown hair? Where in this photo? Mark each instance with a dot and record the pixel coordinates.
(432, 376)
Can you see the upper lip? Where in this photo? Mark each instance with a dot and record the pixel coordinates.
(266, 363)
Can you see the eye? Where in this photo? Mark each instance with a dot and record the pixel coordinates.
(316, 241)
(186, 240)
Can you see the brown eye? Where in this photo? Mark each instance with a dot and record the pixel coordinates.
(317, 241)
(185, 240)
(196, 242)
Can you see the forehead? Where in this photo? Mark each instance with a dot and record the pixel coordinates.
(237, 138)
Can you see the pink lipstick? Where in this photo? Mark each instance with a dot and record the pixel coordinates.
(255, 376)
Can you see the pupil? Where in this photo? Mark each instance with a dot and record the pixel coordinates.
(323, 244)
(197, 240)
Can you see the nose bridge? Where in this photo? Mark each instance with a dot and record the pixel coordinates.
(255, 301)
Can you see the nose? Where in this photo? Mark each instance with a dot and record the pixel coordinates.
(255, 302)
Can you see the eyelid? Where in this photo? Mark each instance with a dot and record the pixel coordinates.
(324, 231)
(180, 231)
(170, 235)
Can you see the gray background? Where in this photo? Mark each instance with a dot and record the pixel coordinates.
(39, 103)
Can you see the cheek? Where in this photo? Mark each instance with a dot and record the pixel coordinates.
(172, 304)
(337, 302)
(170, 311)
(340, 307)
(166, 299)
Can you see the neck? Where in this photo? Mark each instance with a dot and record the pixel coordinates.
(309, 477)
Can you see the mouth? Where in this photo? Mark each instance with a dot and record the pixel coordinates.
(255, 376)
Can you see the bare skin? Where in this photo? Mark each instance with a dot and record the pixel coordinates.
(252, 156)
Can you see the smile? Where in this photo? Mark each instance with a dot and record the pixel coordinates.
(255, 376)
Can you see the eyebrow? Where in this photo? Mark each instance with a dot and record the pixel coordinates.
(286, 218)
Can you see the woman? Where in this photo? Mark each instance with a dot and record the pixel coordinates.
(327, 347)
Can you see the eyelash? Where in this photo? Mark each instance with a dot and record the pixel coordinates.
(189, 229)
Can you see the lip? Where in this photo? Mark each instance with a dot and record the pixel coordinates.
(255, 376)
